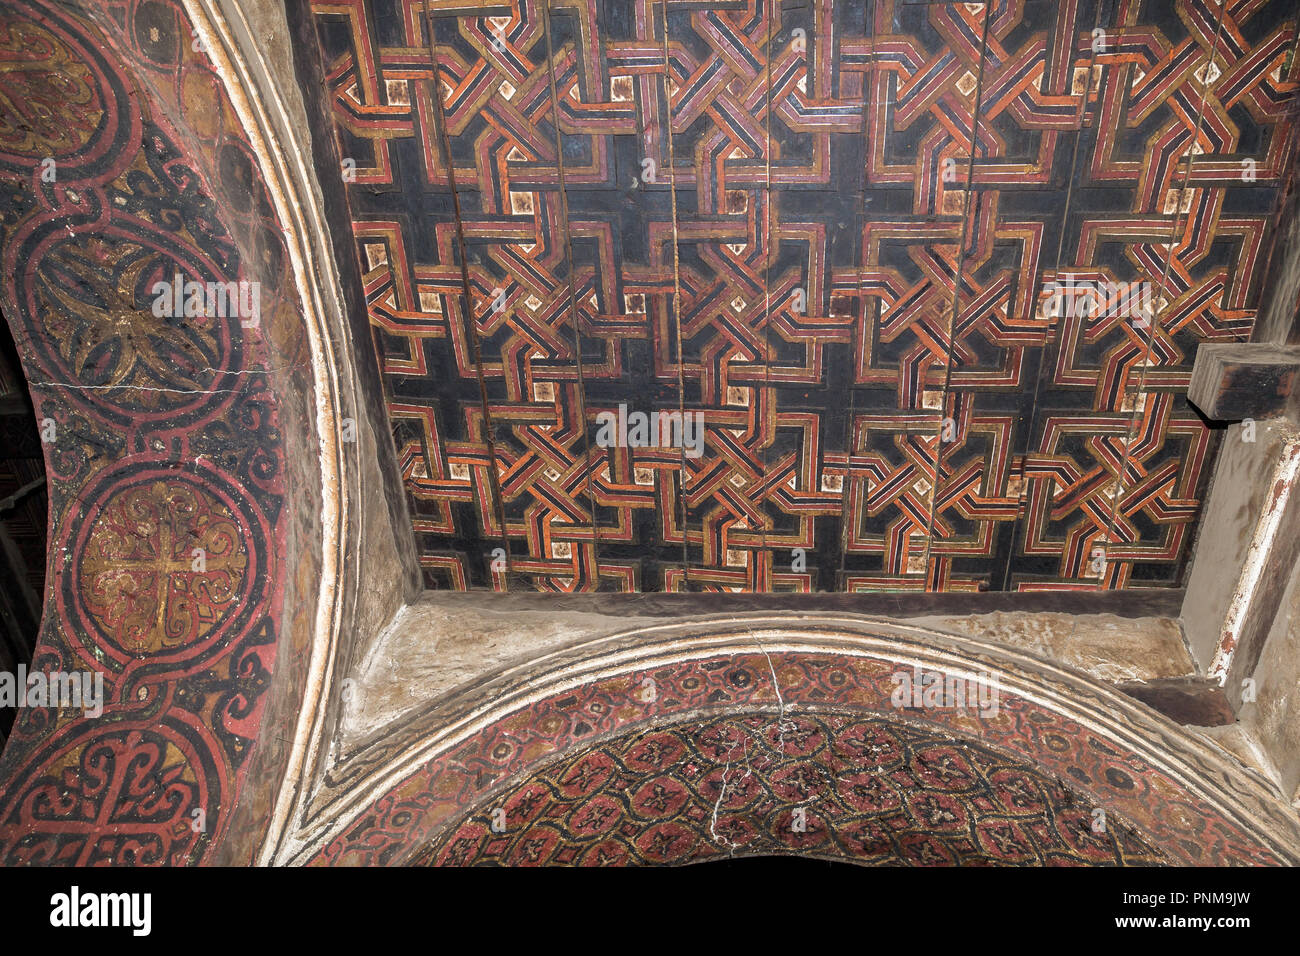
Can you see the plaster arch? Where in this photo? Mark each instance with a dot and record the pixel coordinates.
(401, 793)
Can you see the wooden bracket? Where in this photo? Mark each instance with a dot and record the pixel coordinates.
(1236, 381)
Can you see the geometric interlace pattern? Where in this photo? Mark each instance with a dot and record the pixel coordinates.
(823, 234)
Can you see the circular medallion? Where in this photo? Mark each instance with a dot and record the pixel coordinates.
(151, 783)
(142, 331)
(61, 101)
(170, 568)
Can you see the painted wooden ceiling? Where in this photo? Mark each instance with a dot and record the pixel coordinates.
(825, 232)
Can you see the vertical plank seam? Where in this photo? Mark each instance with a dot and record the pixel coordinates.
(444, 141)
(1050, 340)
(1139, 405)
(968, 210)
(677, 290)
(573, 297)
